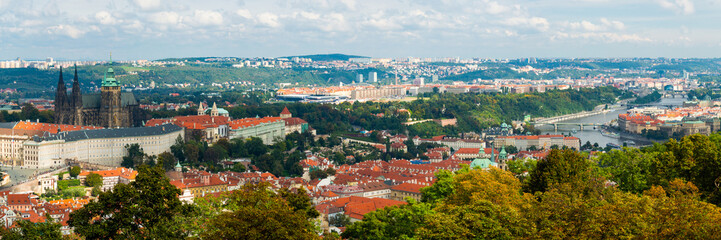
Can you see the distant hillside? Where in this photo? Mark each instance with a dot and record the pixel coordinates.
(329, 57)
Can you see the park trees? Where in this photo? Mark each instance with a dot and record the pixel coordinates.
(142, 209)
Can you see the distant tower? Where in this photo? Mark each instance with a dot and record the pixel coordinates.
(373, 77)
(77, 102)
(214, 111)
(61, 99)
(359, 78)
(285, 113)
(201, 110)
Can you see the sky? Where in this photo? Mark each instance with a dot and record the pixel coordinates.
(155, 29)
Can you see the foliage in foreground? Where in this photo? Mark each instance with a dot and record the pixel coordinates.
(571, 200)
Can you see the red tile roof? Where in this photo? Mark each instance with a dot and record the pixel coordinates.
(408, 187)
(49, 127)
(249, 122)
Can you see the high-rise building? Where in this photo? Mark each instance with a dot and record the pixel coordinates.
(359, 78)
(373, 77)
(434, 78)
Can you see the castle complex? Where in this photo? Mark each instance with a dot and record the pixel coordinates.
(110, 108)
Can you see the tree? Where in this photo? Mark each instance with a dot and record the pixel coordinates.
(629, 168)
(560, 166)
(25, 229)
(318, 174)
(177, 149)
(167, 160)
(135, 156)
(339, 220)
(255, 212)
(397, 222)
(521, 166)
(143, 209)
(75, 171)
(29, 112)
(256, 147)
(192, 152)
(94, 180)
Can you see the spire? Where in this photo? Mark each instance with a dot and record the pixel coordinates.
(61, 94)
(214, 110)
(201, 111)
(77, 95)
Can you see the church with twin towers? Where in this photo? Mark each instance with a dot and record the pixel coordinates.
(110, 108)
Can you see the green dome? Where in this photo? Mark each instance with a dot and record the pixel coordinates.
(483, 163)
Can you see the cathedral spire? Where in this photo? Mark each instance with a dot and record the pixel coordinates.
(61, 94)
(77, 95)
(61, 83)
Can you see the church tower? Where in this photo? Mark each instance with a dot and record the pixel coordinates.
(201, 110)
(77, 101)
(214, 111)
(110, 103)
(61, 100)
(285, 113)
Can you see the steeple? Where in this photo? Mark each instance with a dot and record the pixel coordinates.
(201, 110)
(77, 95)
(492, 157)
(61, 83)
(214, 110)
(61, 98)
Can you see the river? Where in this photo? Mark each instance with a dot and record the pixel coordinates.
(595, 136)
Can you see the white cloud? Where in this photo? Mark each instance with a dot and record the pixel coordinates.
(268, 19)
(536, 23)
(685, 7)
(204, 18)
(147, 4)
(244, 13)
(165, 18)
(603, 25)
(66, 30)
(105, 18)
(496, 8)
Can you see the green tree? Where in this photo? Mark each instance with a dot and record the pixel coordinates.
(397, 222)
(630, 168)
(25, 229)
(75, 171)
(167, 160)
(143, 209)
(177, 149)
(559, 167)
(339, 220)
(135, 156)
(94, 180)
(255, 212)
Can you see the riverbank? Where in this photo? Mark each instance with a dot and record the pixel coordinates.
(600, 109)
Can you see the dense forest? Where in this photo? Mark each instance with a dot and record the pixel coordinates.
(665, 191)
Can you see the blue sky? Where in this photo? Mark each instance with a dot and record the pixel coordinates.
(152, 29)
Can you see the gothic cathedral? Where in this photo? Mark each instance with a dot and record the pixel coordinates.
(111, 108)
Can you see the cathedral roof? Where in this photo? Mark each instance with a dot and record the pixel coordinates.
(94, 100)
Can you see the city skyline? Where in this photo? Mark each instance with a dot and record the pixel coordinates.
(155, 29)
